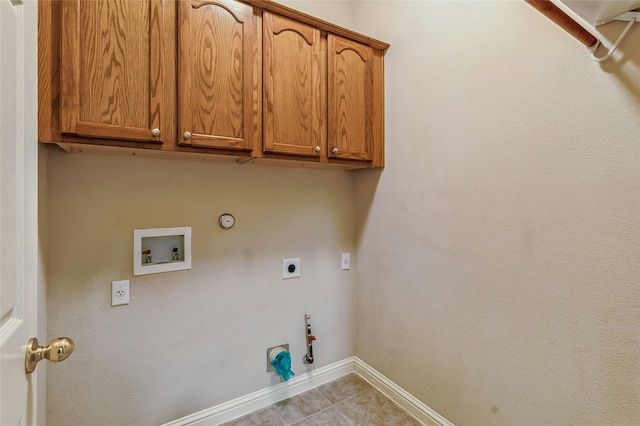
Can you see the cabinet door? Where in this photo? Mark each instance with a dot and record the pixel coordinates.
(111, 69)
(219, 85)
(351, 100)
(294, 73)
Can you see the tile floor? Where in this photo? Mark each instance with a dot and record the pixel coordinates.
(348, 401)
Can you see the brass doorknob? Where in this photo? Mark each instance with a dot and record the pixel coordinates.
(58, 350)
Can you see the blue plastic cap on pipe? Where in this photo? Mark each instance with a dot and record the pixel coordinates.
(282, 364)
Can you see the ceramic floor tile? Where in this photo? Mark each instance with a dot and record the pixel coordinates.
(300, 406)
(265, 417)
(344, 388)
(347, 401)
(329, 417)
(371, 408)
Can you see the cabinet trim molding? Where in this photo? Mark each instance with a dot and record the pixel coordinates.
(317, 22)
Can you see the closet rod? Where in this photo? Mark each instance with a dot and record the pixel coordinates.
(553, 12)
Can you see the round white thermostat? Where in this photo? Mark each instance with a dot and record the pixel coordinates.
(226, 221)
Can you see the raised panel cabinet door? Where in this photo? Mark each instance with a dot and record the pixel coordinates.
(111, 69)
(219, 102)
(351, 99)
(294, 80)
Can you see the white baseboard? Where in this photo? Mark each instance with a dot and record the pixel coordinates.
(417, 409)
(267, 396)
(304, 382)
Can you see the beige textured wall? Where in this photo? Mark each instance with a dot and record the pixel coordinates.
(191, 339)
(339, 12)
(498, 258)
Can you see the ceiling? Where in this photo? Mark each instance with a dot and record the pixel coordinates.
(599, 12)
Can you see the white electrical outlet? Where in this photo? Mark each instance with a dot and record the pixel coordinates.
(119, 293)
(346, 261)
(290, 268)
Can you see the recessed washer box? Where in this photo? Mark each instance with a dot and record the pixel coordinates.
(161, 250)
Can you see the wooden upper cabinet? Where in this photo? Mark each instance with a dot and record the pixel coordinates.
(243, 78)
(294, 81)
(353, 101)
(111, 83)
(218, 83)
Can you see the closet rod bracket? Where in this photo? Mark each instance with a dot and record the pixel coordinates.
(632, 17)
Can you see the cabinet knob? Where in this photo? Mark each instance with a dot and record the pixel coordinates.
(335, 150)
(187, 135)
(155, 132)
(318, 149)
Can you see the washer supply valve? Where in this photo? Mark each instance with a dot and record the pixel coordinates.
(308, 358)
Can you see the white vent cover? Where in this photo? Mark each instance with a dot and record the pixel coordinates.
(597, 12)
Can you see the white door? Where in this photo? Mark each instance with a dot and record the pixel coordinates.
(18, 207)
